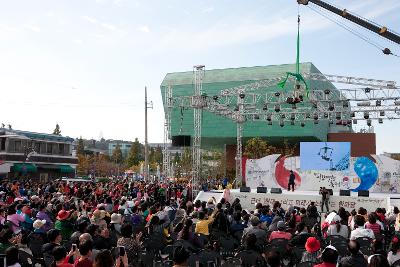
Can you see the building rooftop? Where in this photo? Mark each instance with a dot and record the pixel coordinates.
(34, 135)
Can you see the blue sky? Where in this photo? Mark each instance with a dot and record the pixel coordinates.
(84, 63)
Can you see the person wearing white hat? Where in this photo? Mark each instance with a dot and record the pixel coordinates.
(115, 228)
(337, 228)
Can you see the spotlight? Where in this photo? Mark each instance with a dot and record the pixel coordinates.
(367, 90)
(366, 115)
(378, 103)
(215, 98)
(302, 124)
(242, 95)
(265, 107)
(292, 117)
(281, 123)
(331, 106)
(354, 121)
(338, 116)
(277, 108)
(277, 94)
(327, 91)
(380, 120)
(369, 122)
(269, 117)
(382, 113)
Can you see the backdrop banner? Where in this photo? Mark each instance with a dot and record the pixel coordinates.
(379, 174)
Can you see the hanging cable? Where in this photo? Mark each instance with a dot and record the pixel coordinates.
(386, 51)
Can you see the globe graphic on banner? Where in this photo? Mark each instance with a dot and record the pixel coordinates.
(367, 172)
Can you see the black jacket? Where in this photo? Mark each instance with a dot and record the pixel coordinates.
(357, 260)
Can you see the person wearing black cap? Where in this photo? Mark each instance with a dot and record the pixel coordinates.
(329, 257)
(356, 259)
(180, 257)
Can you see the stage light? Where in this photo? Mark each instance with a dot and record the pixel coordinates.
(215, 98)
(277, 94)
(354, 121)
(378, 103)
(353, 114)
(364, 104)
(327, 91)
(346, 104)
(330, 121)
(242, 95)
(302, 124)
(338, 116)
(369, 122)
(366, 115)
(269, 117)
(326, 115)
(331, 106)
(382, 113)
(380, 120)
(292, 117)
(281, 123)
(265, 107)
(367, 90)
(277, 108)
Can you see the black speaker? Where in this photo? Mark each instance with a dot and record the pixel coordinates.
(262, 189)
(330, 191)
(363, 193)
(275, 190)
(181, 140)
(245, 189)
(344, 193)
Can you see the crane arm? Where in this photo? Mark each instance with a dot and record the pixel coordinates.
(383, 31)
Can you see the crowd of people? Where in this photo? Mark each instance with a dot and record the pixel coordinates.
(133, 223)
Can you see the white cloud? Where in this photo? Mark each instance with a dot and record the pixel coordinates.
(108, 26)
(208, 9)
(144, 28)
(90, 19)
(33, 28)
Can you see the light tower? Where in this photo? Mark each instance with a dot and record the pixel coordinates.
(198, 103)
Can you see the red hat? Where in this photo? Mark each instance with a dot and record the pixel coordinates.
(312, 244)
(63, 214)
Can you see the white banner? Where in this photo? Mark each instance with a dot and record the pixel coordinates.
(382, 174)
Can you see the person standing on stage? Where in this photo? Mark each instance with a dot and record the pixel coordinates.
(292, 177)
(325, 198)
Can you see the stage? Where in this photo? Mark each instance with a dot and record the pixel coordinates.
(304, 198)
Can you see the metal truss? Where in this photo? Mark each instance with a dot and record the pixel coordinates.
(167, 132)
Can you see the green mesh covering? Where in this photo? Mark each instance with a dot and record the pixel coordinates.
(217, 131)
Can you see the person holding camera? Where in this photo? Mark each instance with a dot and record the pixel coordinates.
(325, 198)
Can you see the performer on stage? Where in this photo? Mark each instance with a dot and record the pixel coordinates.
(292, 177)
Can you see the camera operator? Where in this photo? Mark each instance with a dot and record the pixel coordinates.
(325, 198)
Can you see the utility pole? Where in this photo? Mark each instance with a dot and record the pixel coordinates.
(146, 145)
